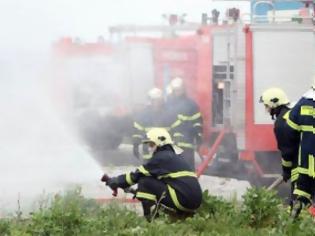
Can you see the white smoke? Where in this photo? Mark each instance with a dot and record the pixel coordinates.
(38, 152)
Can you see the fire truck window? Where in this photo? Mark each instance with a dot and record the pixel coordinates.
(220, 74)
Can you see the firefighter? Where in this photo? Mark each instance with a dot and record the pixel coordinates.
(302, 119)
(186, 125)
(166, 179)
(151, 116)
(276, 104)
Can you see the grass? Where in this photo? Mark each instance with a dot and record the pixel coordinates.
(261, 213)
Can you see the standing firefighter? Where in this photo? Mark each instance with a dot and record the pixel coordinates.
(166, 179)
(153, 115)
(276, 104)
(302, 119)
(187, 121)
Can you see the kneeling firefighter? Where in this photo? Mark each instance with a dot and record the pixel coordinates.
(166, 179)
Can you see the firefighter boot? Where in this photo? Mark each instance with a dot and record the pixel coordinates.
(296, 209)
(298, 205)
(146, 206)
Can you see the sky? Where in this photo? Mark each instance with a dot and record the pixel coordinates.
(38, 22)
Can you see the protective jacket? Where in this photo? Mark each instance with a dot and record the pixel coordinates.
(181, 184)
(146, 120)
(288, 143)
(186, 122)
(302, 119)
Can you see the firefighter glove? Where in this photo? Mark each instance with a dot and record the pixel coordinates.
(286, 174)
(113, 183)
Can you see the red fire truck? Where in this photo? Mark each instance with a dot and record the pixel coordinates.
(225, 68)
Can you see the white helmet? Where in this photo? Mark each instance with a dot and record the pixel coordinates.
(177, 83)
(158, 136)
(155, 93)
(274, 97)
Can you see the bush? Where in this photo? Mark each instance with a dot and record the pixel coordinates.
(66, 215)
(72, 214)
(260, 207)
(5, 227)
(214, 206)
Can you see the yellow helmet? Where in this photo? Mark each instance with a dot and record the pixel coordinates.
(158, 136)
(274, 97)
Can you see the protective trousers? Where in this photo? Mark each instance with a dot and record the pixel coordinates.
(153, 192)
(305, 188)
(304, 192)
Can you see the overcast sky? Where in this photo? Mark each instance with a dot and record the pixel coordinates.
(38, 22)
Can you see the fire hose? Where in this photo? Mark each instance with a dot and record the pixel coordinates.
(276, 183)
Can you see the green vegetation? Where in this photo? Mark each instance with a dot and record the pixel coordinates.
(70, 214)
